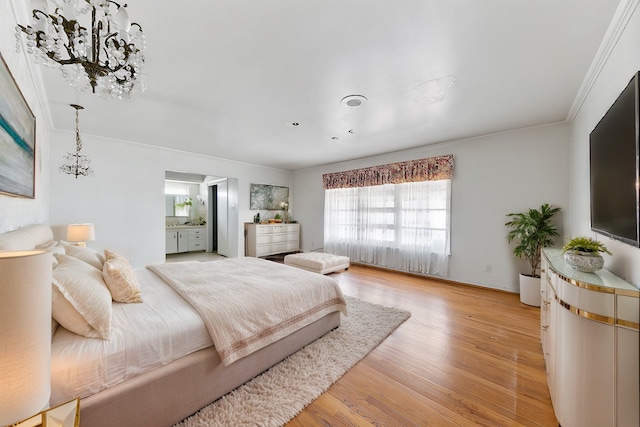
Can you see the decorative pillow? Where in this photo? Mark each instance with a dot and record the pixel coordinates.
(88, 255)
(81, 300)
(120, 278)
(111, 255)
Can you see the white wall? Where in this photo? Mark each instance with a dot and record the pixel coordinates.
(16, 212)
(621, 61)
(494, 175)
(124, 197)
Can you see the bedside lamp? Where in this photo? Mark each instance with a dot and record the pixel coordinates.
(25, 334)
(81, 233)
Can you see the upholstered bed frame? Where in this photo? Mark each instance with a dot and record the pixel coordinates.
(170, 393)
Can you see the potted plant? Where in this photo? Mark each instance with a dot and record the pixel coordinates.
(583, 254)
(533, 230)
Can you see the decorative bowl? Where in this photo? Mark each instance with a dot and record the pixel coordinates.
(587, 262)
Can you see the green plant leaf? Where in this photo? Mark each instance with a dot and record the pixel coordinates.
(532, 230)
(585, 244)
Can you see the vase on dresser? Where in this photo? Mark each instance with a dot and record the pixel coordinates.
(587, 262)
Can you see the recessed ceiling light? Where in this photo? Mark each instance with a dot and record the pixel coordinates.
(353, 101)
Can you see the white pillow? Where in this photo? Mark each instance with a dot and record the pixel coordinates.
(88, 255)
(54, 326)
(120, 278)
(81, 300)
(52, 247)
(47, 246)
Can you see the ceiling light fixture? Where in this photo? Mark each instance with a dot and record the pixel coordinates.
(353, 101)
(108, 57)
(79, 164)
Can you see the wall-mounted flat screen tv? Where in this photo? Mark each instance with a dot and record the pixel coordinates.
(614, 150)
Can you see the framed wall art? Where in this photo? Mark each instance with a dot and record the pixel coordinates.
(17, 139)
(267, 197)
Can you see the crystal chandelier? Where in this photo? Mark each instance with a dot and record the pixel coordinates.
(107, 57)
(78, 164)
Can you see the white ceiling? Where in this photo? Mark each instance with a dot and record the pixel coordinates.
(226, 78)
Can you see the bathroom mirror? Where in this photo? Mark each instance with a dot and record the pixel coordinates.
(173, 205)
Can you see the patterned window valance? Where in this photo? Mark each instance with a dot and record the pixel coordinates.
(430, 169)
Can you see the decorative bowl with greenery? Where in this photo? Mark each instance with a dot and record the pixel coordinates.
(585, 244)
(533, 230)
(583, 254)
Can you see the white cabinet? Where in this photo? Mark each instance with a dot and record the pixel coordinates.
(548, 314)
(185, 239)
(171, 242)
(269, 239)
(589, 332)
(197, 240)
(627, 356)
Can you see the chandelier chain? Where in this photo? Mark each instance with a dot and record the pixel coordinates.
(78, 140)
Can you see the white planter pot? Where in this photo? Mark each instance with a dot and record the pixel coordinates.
(530, 290)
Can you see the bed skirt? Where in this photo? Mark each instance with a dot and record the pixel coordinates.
(168, 394)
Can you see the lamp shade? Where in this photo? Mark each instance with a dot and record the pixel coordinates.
(25, 334)
(81, 233)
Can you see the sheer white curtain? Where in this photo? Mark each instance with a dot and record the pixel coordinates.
(399, 226)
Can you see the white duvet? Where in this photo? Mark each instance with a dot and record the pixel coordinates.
(249, 303)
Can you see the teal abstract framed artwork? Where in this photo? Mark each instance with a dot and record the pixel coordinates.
(17, 139)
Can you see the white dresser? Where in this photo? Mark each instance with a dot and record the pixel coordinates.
(589, 332)
(269, 239)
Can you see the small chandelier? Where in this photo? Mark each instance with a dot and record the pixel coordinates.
(108, 57)
(78, 164)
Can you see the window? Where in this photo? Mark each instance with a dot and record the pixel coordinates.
(176, 189)
(400, 226)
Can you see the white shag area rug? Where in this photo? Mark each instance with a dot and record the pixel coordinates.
(279, 394)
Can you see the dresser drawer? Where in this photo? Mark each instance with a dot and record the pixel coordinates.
(197, 245)
(269, 239)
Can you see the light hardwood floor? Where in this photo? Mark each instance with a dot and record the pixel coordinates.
(468, 356)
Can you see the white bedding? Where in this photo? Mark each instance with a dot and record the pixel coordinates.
(249, 303)
(169, 327)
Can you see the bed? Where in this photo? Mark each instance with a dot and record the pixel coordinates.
(159, 363)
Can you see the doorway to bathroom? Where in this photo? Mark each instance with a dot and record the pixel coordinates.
(201, 214)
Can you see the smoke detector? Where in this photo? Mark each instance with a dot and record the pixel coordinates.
(354, 101)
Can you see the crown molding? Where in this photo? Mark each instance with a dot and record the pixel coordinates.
(619, 22)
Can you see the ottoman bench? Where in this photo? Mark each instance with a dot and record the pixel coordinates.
(317, 262)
